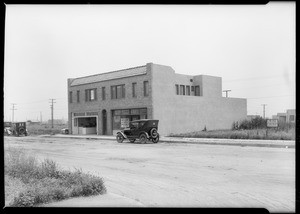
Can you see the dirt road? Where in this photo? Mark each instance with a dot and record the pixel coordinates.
(178, 175)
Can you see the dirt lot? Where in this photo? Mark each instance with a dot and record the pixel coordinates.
(178, 175)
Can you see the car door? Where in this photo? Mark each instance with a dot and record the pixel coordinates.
(134, 129)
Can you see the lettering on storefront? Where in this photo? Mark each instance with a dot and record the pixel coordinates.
(124, 122)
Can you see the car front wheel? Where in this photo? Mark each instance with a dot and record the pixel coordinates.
(143, 138)
(120, 138)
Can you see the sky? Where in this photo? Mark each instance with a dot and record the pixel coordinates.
(252, 47)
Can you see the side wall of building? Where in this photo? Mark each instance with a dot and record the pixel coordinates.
(181, 114)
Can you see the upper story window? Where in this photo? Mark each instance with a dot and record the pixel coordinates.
(78, 96)
(146, 88)
(292, 118)
(71, 97)
(90, 94)
(118, 91)
(197, 90)
(134, 89)
(182, 89)
(103, 93)
(188, 92)
(177, 89)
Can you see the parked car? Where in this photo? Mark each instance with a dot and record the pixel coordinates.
(16, 129)
(65, 131)
(143, 130)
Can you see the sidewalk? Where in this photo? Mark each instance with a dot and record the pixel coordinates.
(106, 200)
(210, 141)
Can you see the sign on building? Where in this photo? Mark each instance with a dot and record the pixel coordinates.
(124, 122)
(272, 123)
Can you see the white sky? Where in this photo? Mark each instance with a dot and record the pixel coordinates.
(252, 47)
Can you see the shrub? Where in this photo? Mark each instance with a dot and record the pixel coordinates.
(13, 187)
(255, 123)
(44, 182)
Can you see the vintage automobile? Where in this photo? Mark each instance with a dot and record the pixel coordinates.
(16, 129)
(65, 131)
(143, 130)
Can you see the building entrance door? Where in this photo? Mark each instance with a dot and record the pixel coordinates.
(104, 121)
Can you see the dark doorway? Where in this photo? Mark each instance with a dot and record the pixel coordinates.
(104, 120)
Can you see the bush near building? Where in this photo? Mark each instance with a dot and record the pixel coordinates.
(261, 123)
(30, 183)
(256, 128)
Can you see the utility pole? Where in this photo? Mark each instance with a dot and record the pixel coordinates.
(52, 101)
(264, 111)
(13, 111)
(226, 91)
(41, 117)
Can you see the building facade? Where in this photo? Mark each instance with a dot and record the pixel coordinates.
(105, 103)
(288, 117)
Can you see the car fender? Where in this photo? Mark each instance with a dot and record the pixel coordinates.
(121, 133)
(145, 134)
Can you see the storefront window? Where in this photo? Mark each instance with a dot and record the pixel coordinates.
(121, 118)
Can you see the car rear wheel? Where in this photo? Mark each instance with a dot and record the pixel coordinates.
(155, 140)
(120, 138)
(143, 138)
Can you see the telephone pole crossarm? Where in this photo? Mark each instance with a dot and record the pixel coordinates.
(226, 91)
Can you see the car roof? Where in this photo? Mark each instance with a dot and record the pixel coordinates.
(142, 120)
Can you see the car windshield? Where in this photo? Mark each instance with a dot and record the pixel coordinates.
(134, 125)
(141, 124)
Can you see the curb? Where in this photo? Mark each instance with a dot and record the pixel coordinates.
(212, 141)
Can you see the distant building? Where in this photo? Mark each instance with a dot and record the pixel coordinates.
(289, 116)
(105, 103)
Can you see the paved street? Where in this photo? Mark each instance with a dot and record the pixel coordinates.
(177, 175)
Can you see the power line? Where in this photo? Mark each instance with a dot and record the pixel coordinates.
(270, 97)
(251, 78)
(38, 101)
(261, 86)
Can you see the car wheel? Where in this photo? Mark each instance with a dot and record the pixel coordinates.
(143, 138)
(21, 131)
(120, 138)
(155, 140)
(153, 133)
(131, 140)
(67, 131)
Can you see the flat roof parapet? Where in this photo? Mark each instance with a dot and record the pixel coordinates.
(110, 75)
